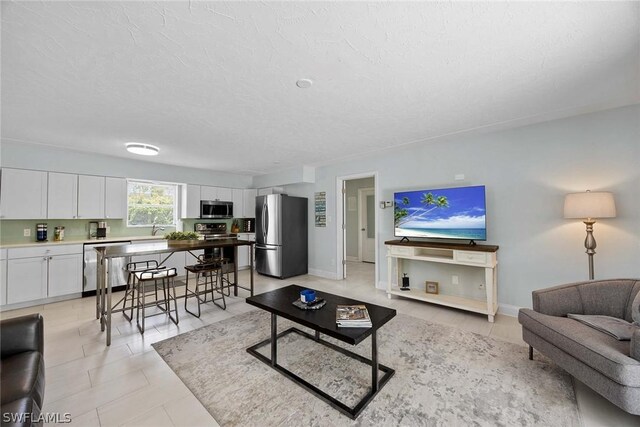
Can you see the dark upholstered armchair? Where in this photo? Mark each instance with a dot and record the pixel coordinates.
(22, 370)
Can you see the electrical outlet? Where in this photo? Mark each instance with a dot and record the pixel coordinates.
(27, 232)
(455, 280)
(108, 229)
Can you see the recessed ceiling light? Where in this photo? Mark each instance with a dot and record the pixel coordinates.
(142, 149)
(304, 83)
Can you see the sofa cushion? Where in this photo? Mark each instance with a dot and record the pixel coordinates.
(21, 412)
(22, 375)
(617, 328)
(600, 351)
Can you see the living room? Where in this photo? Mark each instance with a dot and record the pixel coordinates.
(533, 101)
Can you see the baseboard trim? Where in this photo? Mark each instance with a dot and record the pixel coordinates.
(508, 309)
(324, 274)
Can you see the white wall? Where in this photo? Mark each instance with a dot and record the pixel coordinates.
(42, 157)
(527, 172)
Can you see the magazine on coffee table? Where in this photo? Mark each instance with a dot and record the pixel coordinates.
(353, 316)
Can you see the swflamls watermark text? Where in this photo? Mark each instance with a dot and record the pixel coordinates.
(28, 417)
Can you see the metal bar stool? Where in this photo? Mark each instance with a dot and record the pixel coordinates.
(163, 278)
(129, 294)
(211, 272)
(224, 271)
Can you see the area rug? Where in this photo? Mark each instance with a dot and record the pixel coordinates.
(444, 377)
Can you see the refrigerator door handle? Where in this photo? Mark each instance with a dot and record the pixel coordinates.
(265, 220)
(266, 248)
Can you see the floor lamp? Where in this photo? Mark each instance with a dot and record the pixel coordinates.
(589, 206)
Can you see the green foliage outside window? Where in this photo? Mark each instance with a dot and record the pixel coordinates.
(150, 204)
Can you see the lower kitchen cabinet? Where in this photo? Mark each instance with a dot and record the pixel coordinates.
(65, 275)
(244, 252)
(43, 272)
(27, 279)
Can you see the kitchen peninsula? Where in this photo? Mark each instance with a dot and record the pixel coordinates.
(106, 253)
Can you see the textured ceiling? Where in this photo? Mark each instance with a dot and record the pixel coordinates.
(213, 84)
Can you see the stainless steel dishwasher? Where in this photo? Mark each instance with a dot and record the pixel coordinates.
(119, 276)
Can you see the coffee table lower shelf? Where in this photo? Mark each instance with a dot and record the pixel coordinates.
(351, 412)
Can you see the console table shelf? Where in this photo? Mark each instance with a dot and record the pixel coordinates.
(481, 256)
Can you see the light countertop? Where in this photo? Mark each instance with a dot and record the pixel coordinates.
(80, 241)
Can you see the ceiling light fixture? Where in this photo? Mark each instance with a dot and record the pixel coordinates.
(142, 149)
(304, 83)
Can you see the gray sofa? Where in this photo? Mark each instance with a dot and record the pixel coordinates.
(608, 366)
(22, 370)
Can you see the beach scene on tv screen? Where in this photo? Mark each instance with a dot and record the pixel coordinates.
(448, 213)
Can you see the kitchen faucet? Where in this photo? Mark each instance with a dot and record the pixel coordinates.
(155, 229)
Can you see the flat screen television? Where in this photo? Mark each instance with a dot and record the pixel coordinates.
(443, 213)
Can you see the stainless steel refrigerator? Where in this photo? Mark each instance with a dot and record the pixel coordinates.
(281, 235)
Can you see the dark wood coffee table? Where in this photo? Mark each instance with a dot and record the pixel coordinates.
(279, 303)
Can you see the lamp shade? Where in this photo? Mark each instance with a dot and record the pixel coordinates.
(590, 204)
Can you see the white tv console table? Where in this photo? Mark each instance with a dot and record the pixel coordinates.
(481, 256)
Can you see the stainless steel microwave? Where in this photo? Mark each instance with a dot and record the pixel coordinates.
(216, 209)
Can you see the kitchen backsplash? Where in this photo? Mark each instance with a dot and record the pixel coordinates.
(12, 231)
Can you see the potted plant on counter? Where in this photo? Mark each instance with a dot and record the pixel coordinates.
(182, 238)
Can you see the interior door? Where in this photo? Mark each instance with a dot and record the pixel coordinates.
(366, 206)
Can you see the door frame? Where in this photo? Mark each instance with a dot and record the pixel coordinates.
(341, 231)
(360, 209)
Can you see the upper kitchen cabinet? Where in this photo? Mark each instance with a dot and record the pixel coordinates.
(270, 190)
(216, 193)
(24, 194)
(238, 202)
(190, 201)
(91, 196)
(62, 200)
(225, 194)
(249, 207)
(115, 199)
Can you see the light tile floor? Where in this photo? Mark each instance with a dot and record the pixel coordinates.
(129, 384)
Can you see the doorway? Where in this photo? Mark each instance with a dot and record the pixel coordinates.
(366, 225)
(357, 228)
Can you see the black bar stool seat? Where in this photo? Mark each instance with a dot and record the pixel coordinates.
(163, 279)
(208, 274)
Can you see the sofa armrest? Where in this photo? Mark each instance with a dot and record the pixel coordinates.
(634, 351)
(22, 334)
(558, 300)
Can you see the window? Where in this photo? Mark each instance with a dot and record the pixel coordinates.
(151, 203)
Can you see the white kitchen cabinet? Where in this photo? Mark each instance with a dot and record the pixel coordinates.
(62, 199)
(115, 197)
(216, 193)
(24, 194)
(208, 193)
(249, 206)
(35, 273)
(26, 279)
(3, 276)
(238, 203)
(270, 190)
(65, 275)
(244, 252)
(225, 194)
(190, 201)
(91, 196)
